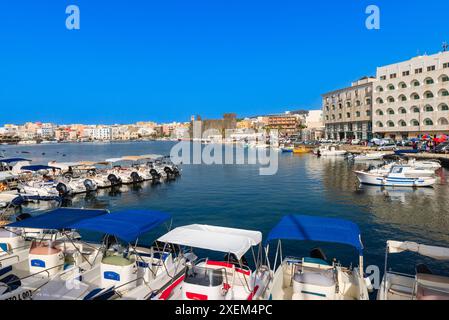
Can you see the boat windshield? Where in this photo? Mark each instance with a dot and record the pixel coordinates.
(204, 276)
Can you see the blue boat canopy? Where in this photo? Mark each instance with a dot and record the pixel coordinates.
(61, 218)
(299, 227)
(10, 160)
(37, 168)
(127, 225)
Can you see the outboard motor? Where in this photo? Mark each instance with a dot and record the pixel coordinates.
(318, 253)
(154, 174)
(62, 189)
(89, 185)
(168, 171)
(135, 177)
(113, 179)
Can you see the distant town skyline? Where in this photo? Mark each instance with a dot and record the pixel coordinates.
(167, 61)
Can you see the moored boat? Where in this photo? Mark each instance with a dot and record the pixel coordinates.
(314, 277)
(424, 284)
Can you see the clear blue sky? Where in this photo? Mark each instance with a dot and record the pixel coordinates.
(166, 60)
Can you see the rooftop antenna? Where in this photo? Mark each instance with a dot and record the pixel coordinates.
(445, 46)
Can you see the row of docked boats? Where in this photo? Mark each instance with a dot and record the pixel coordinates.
(401, 173)
(44, 257)
(19, 179)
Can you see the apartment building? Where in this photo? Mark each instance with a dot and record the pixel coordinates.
(411, 98)
(285, 123)
(347, 112)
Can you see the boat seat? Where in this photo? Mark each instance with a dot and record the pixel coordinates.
(425, 293)
(322, 279)
(117, 261)
(44, 250)
(403, 291)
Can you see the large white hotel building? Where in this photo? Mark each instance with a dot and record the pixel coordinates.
(411, 98)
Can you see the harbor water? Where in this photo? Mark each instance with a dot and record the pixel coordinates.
(237, 196)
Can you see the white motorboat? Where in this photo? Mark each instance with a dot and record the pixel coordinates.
(424, 284)
(424, 164)
(123, 272)
(409, 171)
(314, 277)
(27, 265)
(396, 177)
(330, 151)
(207, 279)
(369, 156)
(36, 181)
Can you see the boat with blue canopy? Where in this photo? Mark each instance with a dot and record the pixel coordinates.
(36, 249)
(315, 277)
(124, 269)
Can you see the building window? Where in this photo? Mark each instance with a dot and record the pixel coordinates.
(428, 122)
(379, 89)
(444, 78)
(390, 111)
(333, 117)
(379, 112)
(443, 107)
(402, 123)
(405, 73)
(415, 96)
(379, 124)
(368, 101)
(379, 101)
(428, 95)
(402, 110)
(402, 97)
(443, 122)
(340, 106)
(348, 115)
(390, 124)
(348, 104)
(429, 81)
(368, 113)
(431, 68)
(390, 87)
(358, 103)
(357, 114)
(415, 109)
(333, 107)
(414, 123)
(415, 83)
(383, 77)
(327, 118)
(445, 65)
(428, 108)
(418, 71)
(390, 99)
(402, 85)
(443, 93)
(393, 76)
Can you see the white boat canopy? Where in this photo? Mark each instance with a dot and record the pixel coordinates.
(152, 156)
(227, 240)
(438, 253)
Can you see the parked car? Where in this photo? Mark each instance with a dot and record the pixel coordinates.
(442, 148)
(355, 142)
(388, 147)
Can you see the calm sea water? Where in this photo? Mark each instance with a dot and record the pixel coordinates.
(237, 196)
